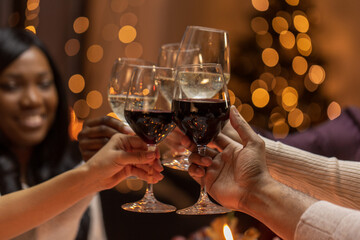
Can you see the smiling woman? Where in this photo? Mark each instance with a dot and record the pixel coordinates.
(34, 144)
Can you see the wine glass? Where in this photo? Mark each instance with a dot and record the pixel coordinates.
(201, 108)
(119, 83)
(213, 44)
(169, 54)
(149, 114)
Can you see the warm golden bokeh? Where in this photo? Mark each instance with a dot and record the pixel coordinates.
(317, 74)
(299, 65)
(270, 57)
(81, 109)
(280, 24)
(127, 34)
(295, 118)
(301, 23)
(94, 99)
(246, 111)
(333, 110)
(76, 83)
(259, 25)
(81, 24)
(260, 98)
(95, 53)
(260, 5)
(72, 47)
(287, 39)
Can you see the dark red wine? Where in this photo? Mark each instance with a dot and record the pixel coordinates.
(151, 126)
(201, 119)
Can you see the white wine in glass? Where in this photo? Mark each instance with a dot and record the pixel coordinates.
(119, 83)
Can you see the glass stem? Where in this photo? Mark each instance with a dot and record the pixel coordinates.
(203, 194)
(149, 193)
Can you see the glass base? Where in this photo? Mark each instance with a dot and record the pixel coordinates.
(178, 161)
(148, 205)
(203, 207)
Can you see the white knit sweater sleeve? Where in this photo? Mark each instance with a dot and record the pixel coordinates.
(324, 178)
(324, 221)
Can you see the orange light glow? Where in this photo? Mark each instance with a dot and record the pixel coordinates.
(75, 125)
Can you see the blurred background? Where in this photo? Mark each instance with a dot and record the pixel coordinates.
(293, 62)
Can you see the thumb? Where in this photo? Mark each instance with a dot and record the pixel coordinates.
(246, 133)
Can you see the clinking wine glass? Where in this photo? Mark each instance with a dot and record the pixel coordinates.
(119, 83)
(169, 55)
(213, 45)
(149, 114)
(201, 109)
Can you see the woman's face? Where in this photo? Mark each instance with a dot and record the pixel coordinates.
(28, 99)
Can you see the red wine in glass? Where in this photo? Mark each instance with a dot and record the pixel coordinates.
(151, 126)
(201, 119)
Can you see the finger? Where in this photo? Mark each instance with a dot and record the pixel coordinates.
(157, 165)
(196, 172)
(246, 133)
(200, 160)
(92, 144)
(188, 144)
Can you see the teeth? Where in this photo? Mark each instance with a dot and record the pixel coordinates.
(32, 121)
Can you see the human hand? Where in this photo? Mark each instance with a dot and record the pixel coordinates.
(121, 158)
(97, 132)
(237, 170)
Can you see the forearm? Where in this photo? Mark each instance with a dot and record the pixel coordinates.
(279, 207)
(324, 178)
(23, 210)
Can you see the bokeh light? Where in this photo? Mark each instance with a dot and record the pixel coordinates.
(287, 39)
(317, 74)
(128, 19)
(333, 110)
(301, 23)
(260, 5)
(280, 24)
(280, 129)
(72, 47)
(260, 98)
(270, 57)
(76, 83)
(134, 50)
(81, 24)
(95, 53)
(94, 99)
(127, 34)
(258, 83)
(295, 118)
(292, 2)
(289, 98)
(299, 65)
(81, 109)
(259, 25)
(32, 4)
(31, 28)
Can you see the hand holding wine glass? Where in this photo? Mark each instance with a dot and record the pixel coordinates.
(148, 112)
(201, 109)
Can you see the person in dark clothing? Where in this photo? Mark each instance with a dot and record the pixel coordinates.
(34, 120)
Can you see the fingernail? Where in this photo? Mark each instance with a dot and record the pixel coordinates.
(234, 110)
(150, 155)
(127, 129)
